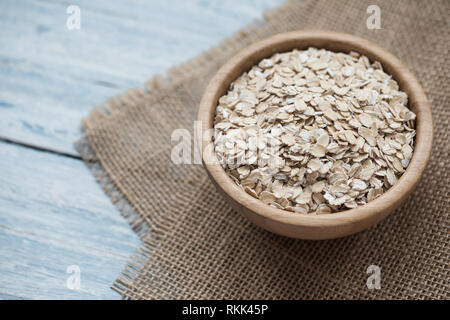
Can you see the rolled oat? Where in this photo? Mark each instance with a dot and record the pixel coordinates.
(314, 131)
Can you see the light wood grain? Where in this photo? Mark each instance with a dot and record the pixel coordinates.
(50, 77)
(323, 226)
(53, 214)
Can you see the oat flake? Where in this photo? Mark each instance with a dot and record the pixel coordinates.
(314, 131)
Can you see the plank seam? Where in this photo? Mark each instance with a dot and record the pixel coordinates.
(38, 148)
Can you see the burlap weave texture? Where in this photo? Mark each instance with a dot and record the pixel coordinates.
(196, 247)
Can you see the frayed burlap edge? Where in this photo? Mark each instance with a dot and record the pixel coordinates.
(155, 88)
(157, 230)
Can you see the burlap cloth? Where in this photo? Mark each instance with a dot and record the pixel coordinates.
(196, 247)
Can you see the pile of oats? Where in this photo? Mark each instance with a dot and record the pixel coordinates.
(314, 131)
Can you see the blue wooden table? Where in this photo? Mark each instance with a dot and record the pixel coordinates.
(54, 218)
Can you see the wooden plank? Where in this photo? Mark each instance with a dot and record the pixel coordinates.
(53, 214)
(51, 77)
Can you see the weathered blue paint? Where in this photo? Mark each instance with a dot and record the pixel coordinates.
(52, 76)
(52, 212)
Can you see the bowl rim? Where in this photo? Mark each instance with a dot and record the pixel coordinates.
(372, 211)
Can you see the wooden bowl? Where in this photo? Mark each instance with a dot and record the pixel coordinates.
(322, 226)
